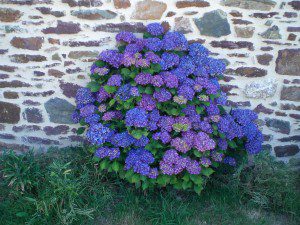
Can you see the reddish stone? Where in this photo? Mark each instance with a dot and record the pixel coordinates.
(266, 49)
(293, 29)
(295, 5)
(292, 37)
(276, 43)
(286, 150)
(264, 15)
(63, 28)
(7, 136)
(149, 10)
(9, 15)
(295, 138)
(122, 4)
(61, 129)
(33, 115)
(10, 113)
(227, 88)
(13, 84)
(264, 59)
(262, 109)
(3, 76)
(10, 95)
(170, 14)
(49, 11)
(75, 70)
(296, 81)
(54, 41)
(239, 55)
(295, 116)
(192, 3)
(290, 93)
(198, 40)
(236, 13)
(31, 103)
(232, 44)
(69, 89)
(8, 68)
(247, 72)
(280, 113)
(15, 147)
(55, 73)
(277, 125)
(38, 94)
(3, 51)
(24, 58)
(289, 106)
(290, 14)
(82, 54)
(26, 128)
(38, 140)
(241, 22)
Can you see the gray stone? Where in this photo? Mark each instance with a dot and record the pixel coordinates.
(183, 25)
(59, 110)
(272, 33)
(244, 32)
(286, 150)
(263, 5)
(290, 93)
(288, 62)
(277, 125)
(214, 24)
(261, 89)
(94, 14)
(10, 113)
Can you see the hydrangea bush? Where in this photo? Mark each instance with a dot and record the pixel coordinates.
(155, 114)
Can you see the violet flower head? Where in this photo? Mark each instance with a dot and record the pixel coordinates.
(143, 78)
(169, 60)
(111, 153)
(155, 29)
(174, 41)
(115, 80)
(153, 44)
(123, 139)
(147, 102)
(126, 36)
(97, 134)
(84, 96)
(136, 117)
(113, 57)
(163, 95)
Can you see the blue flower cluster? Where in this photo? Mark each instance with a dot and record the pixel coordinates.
(155, 105)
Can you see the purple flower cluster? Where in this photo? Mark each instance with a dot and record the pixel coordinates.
(159, 108)
(139, 160)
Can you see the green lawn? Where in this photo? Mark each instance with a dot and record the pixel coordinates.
(65, 187)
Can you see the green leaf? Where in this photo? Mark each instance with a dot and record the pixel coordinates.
(115, 166)
(198, 189)
(197, 179)
(156, 67)
(111, 102)
(232, 144)
(125, 72)
(186, 177)
(104, 164)
(80, 130)
(137, 134)
(110, 89)
(149, 90)
(186, 185)
(197, 153)
(100, 63)
(199, 109)
(145, 185)
(207, 171)
(93, 86)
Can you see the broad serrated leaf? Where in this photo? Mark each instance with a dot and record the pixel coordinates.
(80, 130)
(110, 89)
(93, 86)
(207, 171)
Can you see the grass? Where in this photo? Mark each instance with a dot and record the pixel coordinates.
(65, 187)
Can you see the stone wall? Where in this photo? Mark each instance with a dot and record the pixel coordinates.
(47, 46)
